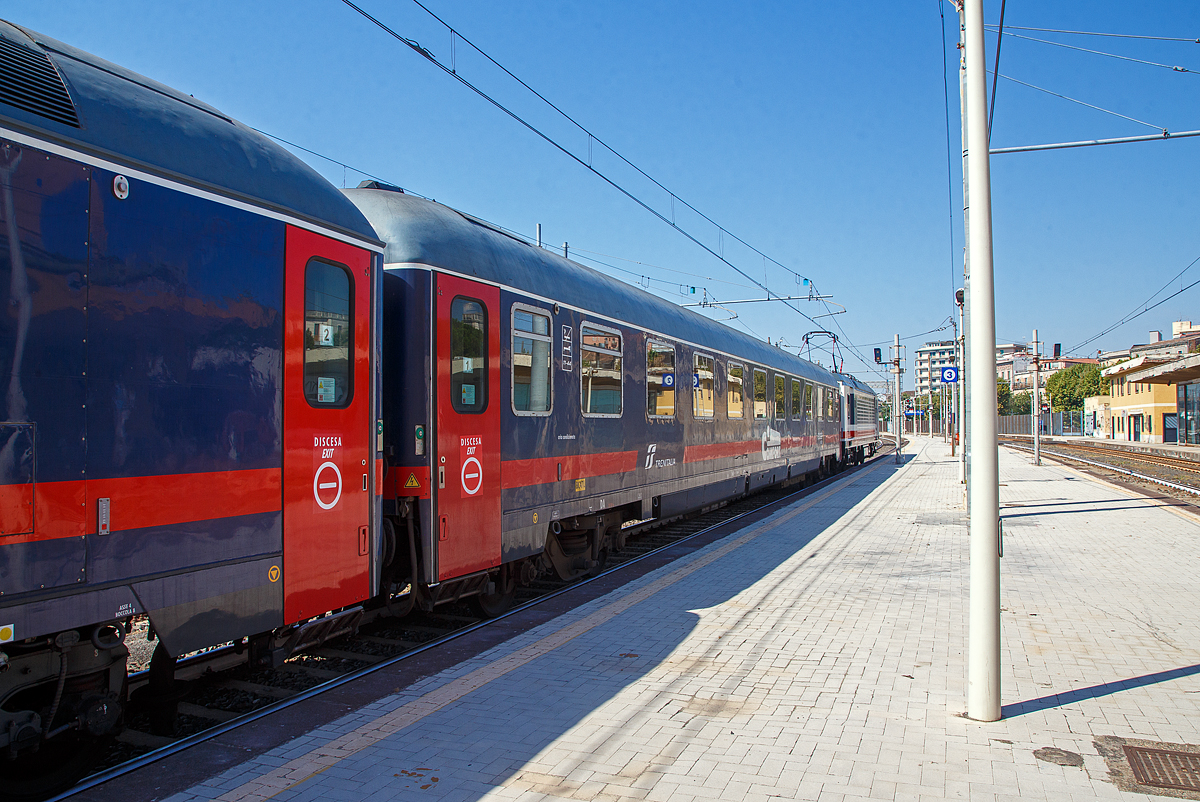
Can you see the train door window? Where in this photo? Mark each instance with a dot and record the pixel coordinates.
(600, 374)
(328, 334)
(760, 394)
(660, 379)
(780, 405)
(808, 401)
(735, 393)
(531, 366)
(797, 408)
(851, 408)
(703, 384)
(468, 355)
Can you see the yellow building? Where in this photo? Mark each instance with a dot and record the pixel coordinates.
(1137, 409)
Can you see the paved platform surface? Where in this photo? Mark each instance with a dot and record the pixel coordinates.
(818, 654)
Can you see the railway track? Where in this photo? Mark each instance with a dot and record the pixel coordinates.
(218, 691)
(1175, 474)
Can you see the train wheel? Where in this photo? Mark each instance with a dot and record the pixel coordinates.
(53, 768)
(491, 605)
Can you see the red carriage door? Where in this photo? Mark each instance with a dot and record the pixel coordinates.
(327, 425)
(467, 343)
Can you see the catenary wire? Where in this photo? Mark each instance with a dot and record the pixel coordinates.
(518, 234)
(1175, 68)
(429, 56)
(1141, 308)
(949, 153)
(577, 124)
(996, 69)
(1082, 103)
(1097, 33)
(582, 162)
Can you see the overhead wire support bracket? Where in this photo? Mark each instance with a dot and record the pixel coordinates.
(707, 302)
(1090, 142)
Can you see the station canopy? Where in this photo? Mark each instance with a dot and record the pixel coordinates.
(1177, 371)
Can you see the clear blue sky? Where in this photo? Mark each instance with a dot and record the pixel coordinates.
(814, 131)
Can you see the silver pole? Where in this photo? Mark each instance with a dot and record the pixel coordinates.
(1037, 401)
(897, 412)
(983, 642)
(961, 341)
(963, 314)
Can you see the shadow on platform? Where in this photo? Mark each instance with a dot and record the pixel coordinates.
(499, 728)
(1095, 691)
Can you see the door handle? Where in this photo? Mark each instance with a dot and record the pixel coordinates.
(442, 478)
(364, 483)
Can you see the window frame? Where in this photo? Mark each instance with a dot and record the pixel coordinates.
(455, 404)
(766, 409)
(712, 413)
(729, 382)
(796, 399)
(778, 379)
(619, 353)
(663, 346)
(350, 334)
(519, 306)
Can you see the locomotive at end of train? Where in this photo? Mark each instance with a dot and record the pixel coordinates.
(249, 406)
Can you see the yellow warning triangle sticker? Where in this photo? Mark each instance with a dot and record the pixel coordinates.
(412, 481)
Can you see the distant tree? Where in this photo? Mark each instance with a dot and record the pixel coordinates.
(1069, 387)
(1020, 404)
(1003, 397)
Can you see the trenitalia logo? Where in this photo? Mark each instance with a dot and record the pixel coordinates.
(772, 444)
(651, 462)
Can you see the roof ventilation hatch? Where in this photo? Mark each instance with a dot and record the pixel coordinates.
(29, 81)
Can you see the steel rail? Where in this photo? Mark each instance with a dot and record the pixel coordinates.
(1108, 467)
(186, 743)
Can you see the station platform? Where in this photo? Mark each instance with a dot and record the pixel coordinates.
(817, 654)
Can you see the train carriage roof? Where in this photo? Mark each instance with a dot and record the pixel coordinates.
(418, 231)
(59, 92)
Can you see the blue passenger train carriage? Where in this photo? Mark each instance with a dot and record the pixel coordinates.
(563, 404)
(157, 286)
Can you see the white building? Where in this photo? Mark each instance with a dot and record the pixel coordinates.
(930, 359)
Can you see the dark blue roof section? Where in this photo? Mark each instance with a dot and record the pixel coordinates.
(418, 231)
(131, 119)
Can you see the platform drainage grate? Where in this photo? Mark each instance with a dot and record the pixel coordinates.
(1163, 768)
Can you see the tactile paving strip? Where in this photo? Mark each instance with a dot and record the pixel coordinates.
(1163, 768)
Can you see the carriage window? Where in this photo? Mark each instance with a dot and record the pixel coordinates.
(851, 405)
(808, 401)
(703, 402)
(780, 403)
(660, 379)
(735, 390)
(760, 393)
(328, 334)
(531, 368)
(821, 403)
(797, 394)
(600, 373)
(468, 355)
(830, 404)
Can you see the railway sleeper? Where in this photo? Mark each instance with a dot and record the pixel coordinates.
(271, 649)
